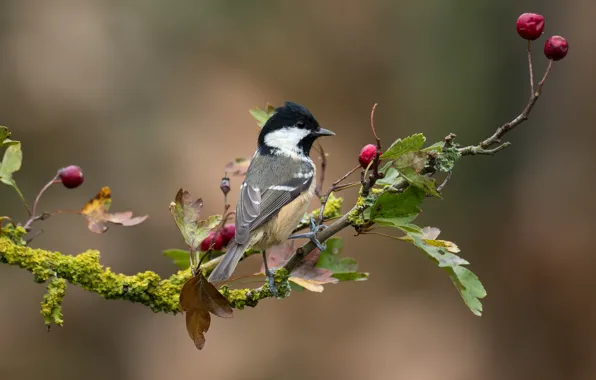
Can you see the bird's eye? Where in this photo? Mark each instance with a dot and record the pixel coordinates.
(300, 124)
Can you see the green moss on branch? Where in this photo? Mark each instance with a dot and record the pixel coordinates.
(51, 306)
(84, 270)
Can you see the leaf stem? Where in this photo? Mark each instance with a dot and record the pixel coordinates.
(14, 185)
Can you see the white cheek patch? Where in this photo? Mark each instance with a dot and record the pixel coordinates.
(286, 138)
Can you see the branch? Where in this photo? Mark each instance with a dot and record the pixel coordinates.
(147, 288)
(483, 147)
(84, 270)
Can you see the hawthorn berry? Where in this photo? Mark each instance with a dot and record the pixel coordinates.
(219, 241)
(71, 176)
(530, 26)
(367, 154)
(228, 232)
(556, 48)
(206, 243)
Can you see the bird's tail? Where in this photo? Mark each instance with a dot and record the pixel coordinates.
(226, 267)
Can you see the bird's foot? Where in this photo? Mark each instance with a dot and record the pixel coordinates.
(312, 235)
(271, 279)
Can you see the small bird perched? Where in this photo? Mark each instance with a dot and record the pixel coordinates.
(277, 188)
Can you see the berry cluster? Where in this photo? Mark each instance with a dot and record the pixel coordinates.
(219, 239)
(530, 26)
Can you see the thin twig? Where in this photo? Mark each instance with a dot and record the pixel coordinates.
(347, 186)
(378, 155)
(334, 187)
(319, 187)
(442, 185)
(541, 83)
(482, 148)
(530, 67)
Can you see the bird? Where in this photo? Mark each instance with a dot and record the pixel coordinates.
(277, 188)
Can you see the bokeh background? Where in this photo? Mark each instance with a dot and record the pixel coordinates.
(151, 95)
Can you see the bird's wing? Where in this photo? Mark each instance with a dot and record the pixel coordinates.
(261, 199)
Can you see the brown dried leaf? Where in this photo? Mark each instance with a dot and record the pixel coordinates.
(197, 324)
(98, 218)
(311, 285)
(306, 274)
(198, 298)
(238, 167)
(215, 302)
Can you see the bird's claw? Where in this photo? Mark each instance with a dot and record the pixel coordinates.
(312, 235)
(271, 279)
(314, 227)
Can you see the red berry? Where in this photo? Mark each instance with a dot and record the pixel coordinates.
(206, 244)
(367, 154)
(228, 233)
(556, 48)
(218, 242)
(71, 176)
(530, 26)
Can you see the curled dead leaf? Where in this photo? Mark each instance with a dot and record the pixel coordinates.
(98, 218)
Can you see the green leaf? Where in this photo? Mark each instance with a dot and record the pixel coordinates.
(262, 115)
(4, 137)
(391, 175)
(386, 167)
(13, 156)
(403, 224)
(187, 213)
(401, 147)
(351, 276)
(436, 147)
(470, 288)
(343, 268)
(466, 282)
(397, 208)
(420, 181)
(180, 257)
(4, 133)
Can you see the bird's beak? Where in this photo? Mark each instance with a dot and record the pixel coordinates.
(323, 132)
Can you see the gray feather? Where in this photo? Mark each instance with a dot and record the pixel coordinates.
(258, 203)
(226, 267)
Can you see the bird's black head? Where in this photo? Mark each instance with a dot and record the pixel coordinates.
(292, 128)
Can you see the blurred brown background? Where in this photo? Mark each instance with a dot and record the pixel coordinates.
(150, 96)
